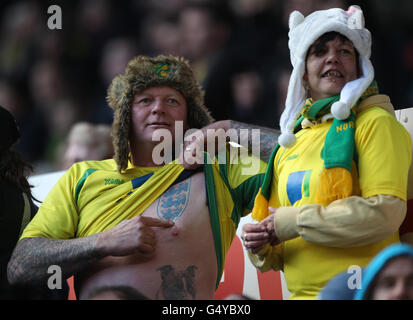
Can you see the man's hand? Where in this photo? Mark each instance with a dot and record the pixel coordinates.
(211, 138)
(192, 155)
(131, 236)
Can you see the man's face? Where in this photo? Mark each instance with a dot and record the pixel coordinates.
(395, 280)
(156, 108)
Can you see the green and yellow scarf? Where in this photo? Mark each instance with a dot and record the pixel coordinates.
(338, 153)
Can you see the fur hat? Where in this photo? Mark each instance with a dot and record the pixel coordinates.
(303, 33)
(143, 72)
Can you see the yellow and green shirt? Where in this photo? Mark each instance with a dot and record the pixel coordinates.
(92, 197)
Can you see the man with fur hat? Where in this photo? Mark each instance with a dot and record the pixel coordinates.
(132, 221)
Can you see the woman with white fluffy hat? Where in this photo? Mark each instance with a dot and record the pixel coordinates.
(334, 194)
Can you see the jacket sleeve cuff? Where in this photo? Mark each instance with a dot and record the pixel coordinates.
(285, 223)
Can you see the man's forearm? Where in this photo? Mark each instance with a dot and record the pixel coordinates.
(267, 138)
(33, 256)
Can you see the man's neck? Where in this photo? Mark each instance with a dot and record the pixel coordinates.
(142, 156)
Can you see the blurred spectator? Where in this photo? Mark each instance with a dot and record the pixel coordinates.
(116, 293)
(50, 47)
(17, 210)
(249, 103)
(389, 276)
(87, 142)
(253, 24)
(21, 26)
(237, 297)
(276, 88)
(50, 93)
(246, 88)
(161, 35)
(308, 6)
(115, 55)
(34, 129)
(256, 28)
(204, 33)
(162, 6)
(47, 84)
(338, 288)
(61, 119)
(114, 58)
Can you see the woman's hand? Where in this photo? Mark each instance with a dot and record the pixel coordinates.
(268, 222)
(256, 235)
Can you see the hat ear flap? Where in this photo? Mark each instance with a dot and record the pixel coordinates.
(353, 90)
(119, 99)
(295, 19)
(295, 100)
(120, 135)
(118, 92)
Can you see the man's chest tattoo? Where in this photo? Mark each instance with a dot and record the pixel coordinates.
(172, 204)
(176, 285)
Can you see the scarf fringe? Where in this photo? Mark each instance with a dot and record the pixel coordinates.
(260, 210)
(335, 183)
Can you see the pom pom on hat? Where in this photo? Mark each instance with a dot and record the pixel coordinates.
(340, 110)
(287, 139)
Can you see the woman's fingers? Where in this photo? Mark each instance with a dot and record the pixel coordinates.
(256, 236)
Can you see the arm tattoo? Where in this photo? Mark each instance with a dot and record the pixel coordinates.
(33, 256)
(173, 202)
(268, 138)
(176, 285)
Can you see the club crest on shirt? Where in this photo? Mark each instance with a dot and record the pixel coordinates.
(174, 201)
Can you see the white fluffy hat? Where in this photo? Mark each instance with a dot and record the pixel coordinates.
(303, 33)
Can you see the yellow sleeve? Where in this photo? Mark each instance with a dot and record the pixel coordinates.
(270, 257)
(57, 217)
(350, 222)
(384, 154)
(245, 177)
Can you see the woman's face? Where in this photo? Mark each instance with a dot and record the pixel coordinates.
(329, 67)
